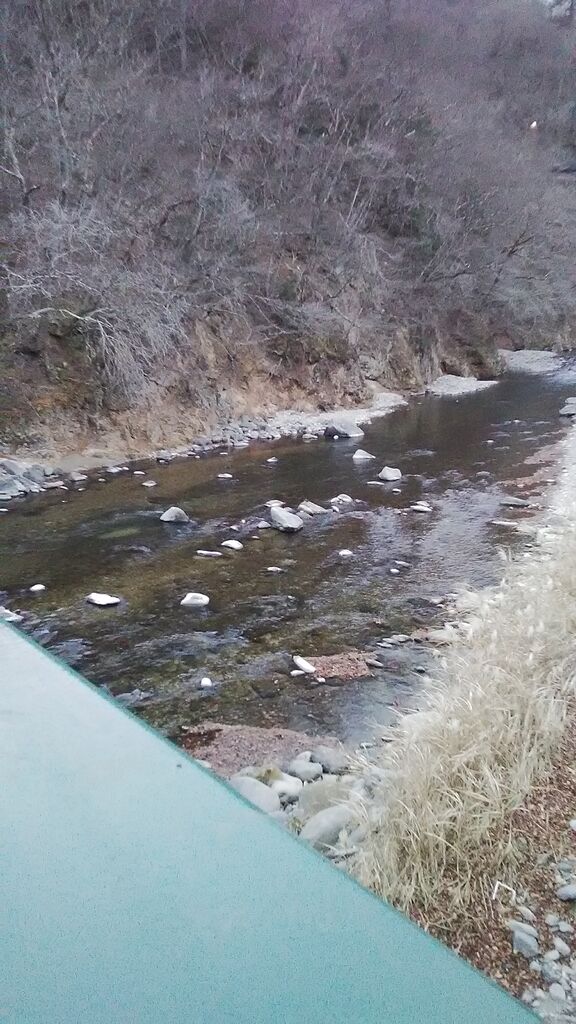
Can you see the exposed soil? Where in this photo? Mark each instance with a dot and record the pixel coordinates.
(228, 748)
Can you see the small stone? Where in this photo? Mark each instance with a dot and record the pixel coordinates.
(565, 928)
(205, 553)
(307, 771)
(102, 600)
(288, 788)
(394, 572)
(421, 506)
(37, 588)
(149, 483)
(287, 522)
(272, 460)
(552, 920)
(572, 824)
(525, 944)
(550, 972)
(323, 829)
(174, 515)
(225, 476)
(557, 992)
(194, 600)
(361, 456)
(234, 545)
(562, 947)
(527, 914)
(522, 926)
(512, 502)
(303, 665)
(275, 568)
(551, 956)
(332, 759)
(77, 477)
(206, 683)
(345, 553)
(256, 792)
(341, 499)
(389, 473)
(567, 892)
(310, 508)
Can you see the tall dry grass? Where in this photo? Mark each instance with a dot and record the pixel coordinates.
(438, 832)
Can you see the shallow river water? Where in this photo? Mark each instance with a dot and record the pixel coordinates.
(152, 652)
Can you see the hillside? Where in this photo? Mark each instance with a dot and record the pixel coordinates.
(218, 205)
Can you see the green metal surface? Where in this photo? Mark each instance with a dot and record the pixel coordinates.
(137, 889)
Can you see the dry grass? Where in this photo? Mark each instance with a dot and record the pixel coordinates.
(439, 828)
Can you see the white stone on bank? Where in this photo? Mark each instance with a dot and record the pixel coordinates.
(195, 600)
(102, 600)
(303, 665)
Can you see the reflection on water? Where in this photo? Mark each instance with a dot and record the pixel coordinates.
(109, 538)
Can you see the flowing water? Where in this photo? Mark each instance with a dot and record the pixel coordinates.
(462, 455)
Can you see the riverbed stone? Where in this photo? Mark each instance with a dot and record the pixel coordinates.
(562, 947)
(256, 792)
(287, 522)
(323, 829)
(174, 515)
(389, 473)
(310, 508)
(333, 760)
(525, 944)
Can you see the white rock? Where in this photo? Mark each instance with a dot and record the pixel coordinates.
(148, 483)
(274, 503)
(287, 787)
(263, 525)
(286, 521)
(389, 473)
(272, 460)
(37, 588)
(562, 947)
(361, 456)
(234, 545)
(8, 616)
(342, 499)
(225, 476)
(139, 472)
(297, 672)
(275, 568)
(394, 572)
(174, 515)
(557, 992)
(304, 665)
(256, 792)
(308, 770)
(323, 829)
(333, 760)
(421, 506)
(194, 600)
(102, 600)
(346, 553)
(204, 553)
(206, 683)
(396, 490)
(311, 509)
(402, 564)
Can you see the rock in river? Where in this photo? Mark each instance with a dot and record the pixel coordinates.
(389, 474)
(361, 456)
(194, 600)
(256, 792)
(286, 521)
(310, 508)
(174, 515)
(234, 545)
(102, 600)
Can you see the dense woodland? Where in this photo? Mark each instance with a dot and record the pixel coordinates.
(312, 181)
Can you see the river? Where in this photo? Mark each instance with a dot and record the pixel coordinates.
(462, 455)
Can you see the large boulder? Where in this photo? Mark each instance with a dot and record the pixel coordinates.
(286, 521)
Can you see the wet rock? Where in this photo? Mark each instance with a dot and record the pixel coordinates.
(174, 515)
(323, 829)
(345, 553)
(37, 588)
(225, 476)
(362, 456)
(342, 499)
(149, 483)
(195, 600)
(9, 616)
(205, 553)
(421, 506)
(9, 487)
(256, 792)
(287, 522)
(389, 474)
(102, 600)
(333, 760)
(512, 502)
(233, 545)
(311, 509)
(77, 478)
(526, 914)
(343, 430)
(303, 665)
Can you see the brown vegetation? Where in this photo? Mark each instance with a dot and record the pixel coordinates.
(189, 181)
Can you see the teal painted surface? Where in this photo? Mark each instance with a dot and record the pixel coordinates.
(137, 889)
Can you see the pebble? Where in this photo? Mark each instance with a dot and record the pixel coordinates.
(567, 892)
(522, 926)
(204, 553)
(174, 515)
(525, 944)
(149, 483)
(394, 572)
(389, 473)
(225, 476)
(139, 472)
(310, 508)
(285, 521)
(562, 947)
(256, 792)
(272, 460)
(362, 456)
(552, 920)
(234, 545)
(551, 956)
(37, 588)
(275, 568)
(303, 665)
(206, 683)
(346, 553)
(556, 991)
(573, 824)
